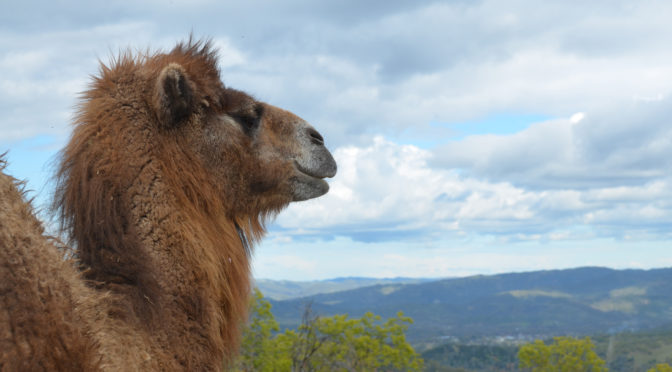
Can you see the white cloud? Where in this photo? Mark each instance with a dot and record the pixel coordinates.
(359, 69)
(354, 69)
(44, 71)
(386, 191)
(377, 188)
(632, 145)
(229, 55)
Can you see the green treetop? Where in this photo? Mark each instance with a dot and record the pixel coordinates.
(334, 343)
(661, 368)
(565, 354)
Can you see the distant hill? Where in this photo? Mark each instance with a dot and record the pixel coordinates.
(579, 301)
(285, 289)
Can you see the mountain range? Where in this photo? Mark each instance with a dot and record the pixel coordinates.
(536, 304)
(286, 289)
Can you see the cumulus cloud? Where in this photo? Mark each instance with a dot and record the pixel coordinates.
(485, 185)
(629, 146)
(44, 71)
(378, 81)
(352, 68)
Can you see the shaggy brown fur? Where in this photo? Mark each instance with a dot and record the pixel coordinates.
(40, 328)
(166, 177)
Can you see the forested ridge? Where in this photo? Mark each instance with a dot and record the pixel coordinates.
(480, 323)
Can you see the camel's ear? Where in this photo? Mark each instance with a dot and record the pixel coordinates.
(173, 96)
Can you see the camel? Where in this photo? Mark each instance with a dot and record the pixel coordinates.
(163, 189)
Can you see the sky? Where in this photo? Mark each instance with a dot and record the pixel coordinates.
(472, 137)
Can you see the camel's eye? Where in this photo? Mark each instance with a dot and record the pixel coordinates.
(248, 123)
(250, 119)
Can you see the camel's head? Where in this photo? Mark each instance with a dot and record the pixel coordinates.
(259, 155)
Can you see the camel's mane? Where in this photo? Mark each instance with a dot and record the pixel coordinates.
(114, 144)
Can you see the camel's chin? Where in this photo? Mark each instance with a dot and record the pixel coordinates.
(305, 187)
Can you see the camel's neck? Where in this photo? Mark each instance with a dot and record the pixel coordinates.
(192, 298)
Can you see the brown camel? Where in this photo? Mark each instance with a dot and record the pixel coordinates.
(164, 186)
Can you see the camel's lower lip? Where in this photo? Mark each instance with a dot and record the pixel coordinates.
(305, 186)
(307, 171)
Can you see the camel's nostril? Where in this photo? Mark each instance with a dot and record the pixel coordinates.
(315, 137)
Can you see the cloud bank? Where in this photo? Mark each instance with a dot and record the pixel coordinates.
(575, 96)
(576, 178)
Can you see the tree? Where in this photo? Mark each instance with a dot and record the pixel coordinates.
(565, 354)
(338, 343)
(661, 368)
(335, 343)
(260, 350)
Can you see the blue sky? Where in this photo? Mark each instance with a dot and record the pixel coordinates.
(472, 137)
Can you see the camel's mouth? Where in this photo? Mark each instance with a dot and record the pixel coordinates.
(309, 183)
(318, 173)
(313, 165)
